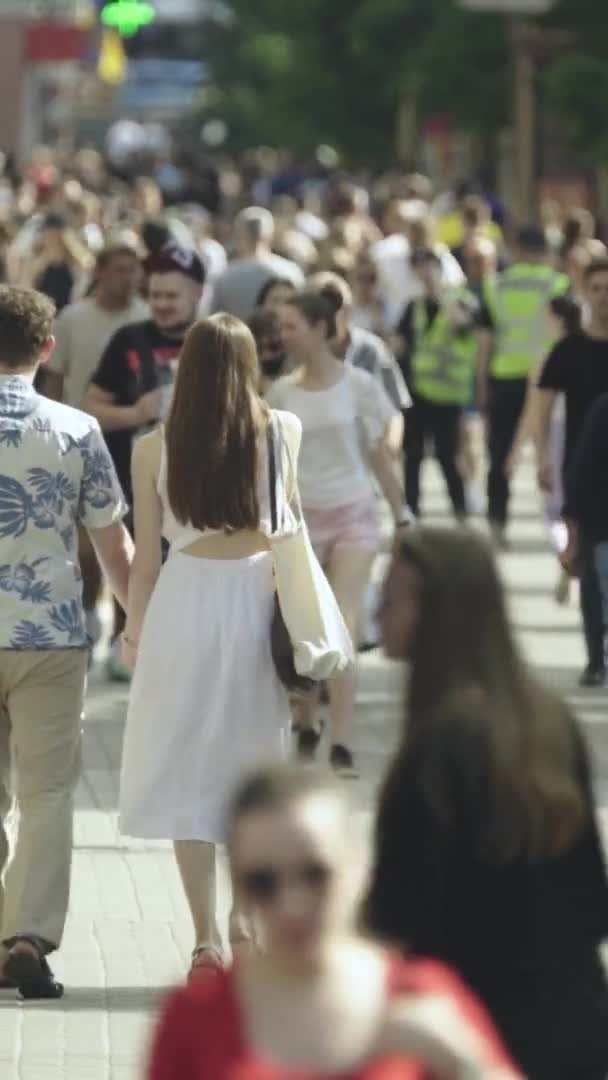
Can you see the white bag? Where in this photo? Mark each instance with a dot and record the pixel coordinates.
(321, 642)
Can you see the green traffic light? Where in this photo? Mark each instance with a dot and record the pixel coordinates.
(127, 16)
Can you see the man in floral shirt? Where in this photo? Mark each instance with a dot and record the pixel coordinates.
(55, 475)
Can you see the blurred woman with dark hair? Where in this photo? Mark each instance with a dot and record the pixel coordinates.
(205, 701)
(487, 852)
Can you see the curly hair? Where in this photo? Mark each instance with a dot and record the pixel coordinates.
(26, 324)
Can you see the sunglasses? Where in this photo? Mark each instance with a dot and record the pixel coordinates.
(262, 884)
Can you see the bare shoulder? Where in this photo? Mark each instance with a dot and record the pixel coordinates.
(147, 452)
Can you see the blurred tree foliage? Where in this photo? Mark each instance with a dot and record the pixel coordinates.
(575, 78)
(305, 72)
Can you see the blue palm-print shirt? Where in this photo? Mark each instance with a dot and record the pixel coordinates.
(55, 474)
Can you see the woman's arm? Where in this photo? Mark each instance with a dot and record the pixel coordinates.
(382, 463)
(147, 514)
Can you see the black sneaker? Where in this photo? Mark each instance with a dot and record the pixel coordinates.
(32, 976)
(592, 677)
(342, 762)
(308, 741)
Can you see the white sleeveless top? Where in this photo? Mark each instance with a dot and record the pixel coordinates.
(288, 436)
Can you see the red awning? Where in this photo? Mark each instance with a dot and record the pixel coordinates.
(49, 42)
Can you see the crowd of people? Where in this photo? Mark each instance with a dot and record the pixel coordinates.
(181, 397)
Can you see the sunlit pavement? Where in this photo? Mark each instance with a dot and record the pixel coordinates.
(128, 936)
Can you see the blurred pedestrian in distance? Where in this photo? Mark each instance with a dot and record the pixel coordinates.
(156, 234)
(237, 289)
(198, 628)
(409, 227)
(477, 225)
(516, 342)
(564, 317)
(369, 309)
(584, 510)
(441, 333)
(147, 198)
(480, 263)
(317, 1000)
(577, 368)
(487, 852)
(83, 329)
(82, 333)
(274, 293)
(57, 263)
(265, 326)
(131, 390)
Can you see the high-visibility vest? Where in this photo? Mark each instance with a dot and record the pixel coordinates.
(518, 300)
(443, 363)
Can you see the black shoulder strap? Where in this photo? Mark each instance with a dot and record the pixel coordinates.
(272, 477)
(148, 375)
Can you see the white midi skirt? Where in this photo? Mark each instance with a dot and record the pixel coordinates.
(205, 704)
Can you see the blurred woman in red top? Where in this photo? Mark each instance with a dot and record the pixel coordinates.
(317, 1002)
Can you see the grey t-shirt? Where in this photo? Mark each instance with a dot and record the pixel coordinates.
(368, 351)
(238, 288)
(82, 331)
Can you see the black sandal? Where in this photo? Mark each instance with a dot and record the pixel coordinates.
(30, 972)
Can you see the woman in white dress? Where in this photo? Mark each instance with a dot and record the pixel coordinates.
(205, 701)
(348, 423)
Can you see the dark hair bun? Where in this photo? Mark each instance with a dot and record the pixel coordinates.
(334, 297)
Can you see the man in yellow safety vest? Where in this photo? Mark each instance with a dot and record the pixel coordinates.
(517, 302)
(441, 338)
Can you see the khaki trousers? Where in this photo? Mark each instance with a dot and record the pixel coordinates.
(41, 701)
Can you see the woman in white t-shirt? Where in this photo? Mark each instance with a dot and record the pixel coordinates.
(346, 418)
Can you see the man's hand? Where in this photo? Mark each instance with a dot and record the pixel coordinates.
(148, 408)
(570, 555)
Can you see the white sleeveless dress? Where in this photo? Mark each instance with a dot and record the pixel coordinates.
(205, 702)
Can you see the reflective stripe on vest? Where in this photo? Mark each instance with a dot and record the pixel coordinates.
(519, 303)
(443, 363)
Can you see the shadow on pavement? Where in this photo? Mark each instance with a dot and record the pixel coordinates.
(93, 999)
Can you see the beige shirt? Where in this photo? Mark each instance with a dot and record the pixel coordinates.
(82, 331)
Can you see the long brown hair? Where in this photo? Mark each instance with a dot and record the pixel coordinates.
(212, 429)
(488, 726)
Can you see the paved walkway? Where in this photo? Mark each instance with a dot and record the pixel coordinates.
(128, 936)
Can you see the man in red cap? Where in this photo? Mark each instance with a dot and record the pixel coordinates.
(132, 387)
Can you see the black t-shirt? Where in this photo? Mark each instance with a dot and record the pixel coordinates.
(578, 368)
(587, 479)
(137, 359)
(57, 282)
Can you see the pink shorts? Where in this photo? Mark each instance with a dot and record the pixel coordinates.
(357, 524)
